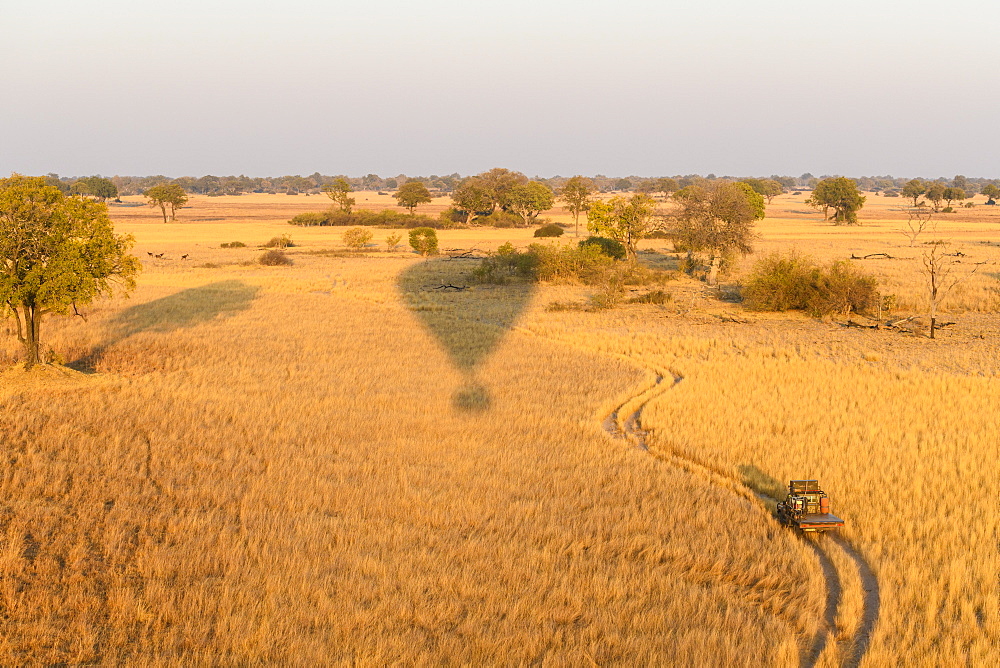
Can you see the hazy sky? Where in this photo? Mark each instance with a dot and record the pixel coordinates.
(543, 86)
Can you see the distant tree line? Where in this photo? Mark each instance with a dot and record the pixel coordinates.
(111, 187)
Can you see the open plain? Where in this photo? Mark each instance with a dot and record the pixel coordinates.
(337, 462)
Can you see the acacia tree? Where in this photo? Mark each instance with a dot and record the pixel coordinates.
(339, 192)
(167, 195)
(667, 186)
(530, 199)
(411, 194)
(913, 189)
(472, 195)
(840, 194)
(952, 194)
(95, 186)
(624, 219)
(991, 191)
(56, 252)
(717, 221)
(576, 193)
(935, 193)
(500, 182)
(768, 188)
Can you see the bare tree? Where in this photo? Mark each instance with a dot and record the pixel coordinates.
(939, 268)
(919, 219)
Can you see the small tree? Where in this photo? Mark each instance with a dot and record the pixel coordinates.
(991, 191)
(472, 195)
(339, 191)
(952, 194)
(356, 238)
(768, 188)
(626, 220)
(841, 194)
(167, 196)
(95, 186)
(530, 199)
(424, 240)
(667, 186)
(576, 193)
(717, 221)
(913, 189)
(939, 269)
(935, 193)
(56, 252)
(392, 241)
(411, 194)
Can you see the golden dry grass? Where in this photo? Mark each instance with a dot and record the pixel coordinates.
(333, 463)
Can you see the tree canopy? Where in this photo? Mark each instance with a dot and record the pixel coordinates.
(768, 188)
(935, 193)
(339, 191)
(530, 199)
(411, 194)
(913, 189)
(840, 194)
(56, 252)
(95, 186)
(717, 221)
(624, 219)
(472, 196)
(167, 196)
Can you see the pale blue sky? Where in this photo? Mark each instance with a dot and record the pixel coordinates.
(545, 87)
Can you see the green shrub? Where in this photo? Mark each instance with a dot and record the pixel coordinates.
(392, 240)
(948, 209)
(284, 241)
(792, 281)
(334, 217)
(609, 247)
(275, 258)
(424, 241)
(780, 282)
(356, 238)
(549, 230)
(233, 244)
(501, 219)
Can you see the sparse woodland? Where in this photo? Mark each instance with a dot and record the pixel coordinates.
(369, 456)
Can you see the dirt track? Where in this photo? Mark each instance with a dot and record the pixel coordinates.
(630, 428)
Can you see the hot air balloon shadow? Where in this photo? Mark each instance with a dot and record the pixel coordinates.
(468, 320)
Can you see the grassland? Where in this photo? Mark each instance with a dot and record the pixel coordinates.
(335, 463)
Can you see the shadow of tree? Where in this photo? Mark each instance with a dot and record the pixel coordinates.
(468, 323)
(180, 310)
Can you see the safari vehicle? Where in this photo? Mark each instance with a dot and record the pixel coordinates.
(807, 507)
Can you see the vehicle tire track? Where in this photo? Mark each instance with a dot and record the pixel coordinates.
(631, 429)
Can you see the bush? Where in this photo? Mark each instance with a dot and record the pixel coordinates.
(424, 241)
(233, 244)
(275, 258)
(356, 238)
(309, 219)
(392, 240)
(609, 247)
(948, 209)
(545, 263)
(501, 219)
(783, 282)
(549, 230)
(284, 241)
(334, 217)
